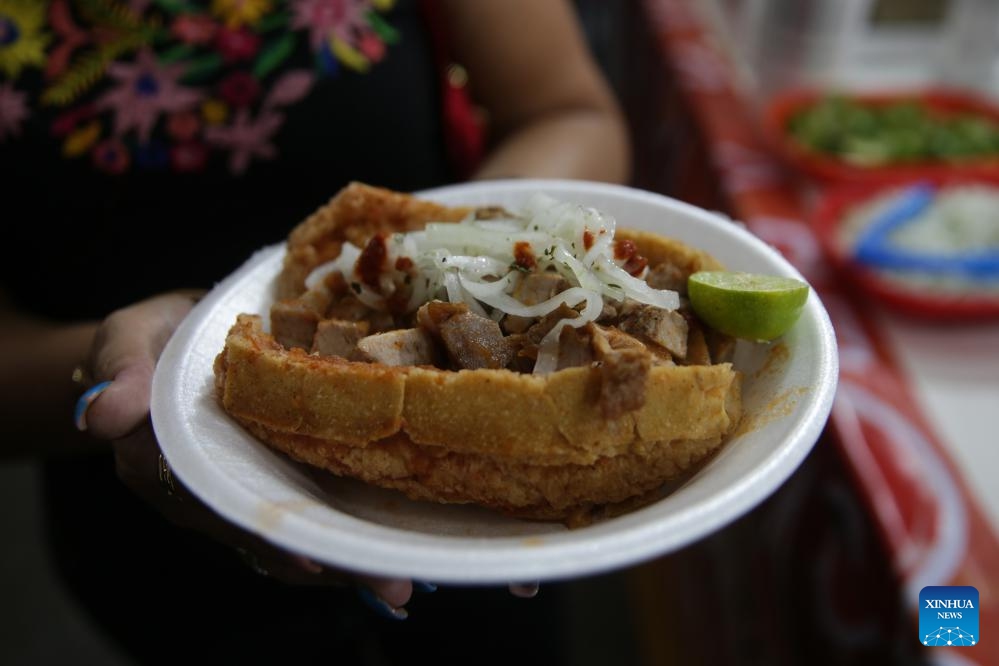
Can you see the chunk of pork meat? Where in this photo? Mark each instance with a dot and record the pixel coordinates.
(539, 286)
(349, 308)
(336, 337)
(666, 328)
(667, 276)
(473, 342)
(623, 376)
(698, 352)
(624, 370)
(407, 346)
(470, 340)
(534, 288)
(575, 348)
(720, 346)
(431, 315)
(294, 322)
(544, 325)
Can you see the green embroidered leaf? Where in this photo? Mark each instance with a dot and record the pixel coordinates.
(109, 13)
(120, 19)
(84, 73)
(273, 21)
(202, 68)
(88, 68)
(175, 53)
(381, 27)
(273, 54)
(173, 6)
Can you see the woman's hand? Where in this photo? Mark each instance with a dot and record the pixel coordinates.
(124, 353)
(125, 349)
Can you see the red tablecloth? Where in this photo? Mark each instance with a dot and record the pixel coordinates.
(930, 522)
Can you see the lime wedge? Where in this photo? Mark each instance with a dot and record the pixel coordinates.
(747, 305)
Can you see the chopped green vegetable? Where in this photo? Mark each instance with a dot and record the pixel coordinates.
(866, 134)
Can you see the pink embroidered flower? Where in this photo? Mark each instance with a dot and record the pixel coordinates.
(145, 90)
(291, 87)
(111, 156)
(189, 157)
(331, 18)
(13, 110)
(247, 138)
(194, 28)
(184, 125)
(239, 89)
(236, 45)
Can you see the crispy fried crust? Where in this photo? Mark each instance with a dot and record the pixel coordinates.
(355, 214)
(505, 415)
(534, 446)
(538, 492)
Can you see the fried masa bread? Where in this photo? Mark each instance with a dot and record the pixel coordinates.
(540, 446)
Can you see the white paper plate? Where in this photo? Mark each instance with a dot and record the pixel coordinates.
(788, 394)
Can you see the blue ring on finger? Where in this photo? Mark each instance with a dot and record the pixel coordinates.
(84, 402)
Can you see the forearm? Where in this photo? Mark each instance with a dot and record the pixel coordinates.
(584, 144)
(36, 366)
(550, 110)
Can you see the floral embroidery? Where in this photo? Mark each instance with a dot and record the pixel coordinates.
(22, 41)
(246, 138)
(153, 84)
(145, 90)
(350, 31)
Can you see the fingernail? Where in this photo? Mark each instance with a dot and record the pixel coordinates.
(421, 586)
(524, 590)
(380, 606)
(83, 404)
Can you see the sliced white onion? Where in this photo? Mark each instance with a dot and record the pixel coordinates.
(455, 294)
(613, 275)
(507, 225)
(343, 263)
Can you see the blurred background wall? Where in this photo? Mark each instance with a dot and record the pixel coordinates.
(864, 43)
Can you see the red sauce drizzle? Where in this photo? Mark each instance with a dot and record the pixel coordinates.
(372, 260)
(523, 256)
(587, 239)
(634, 263)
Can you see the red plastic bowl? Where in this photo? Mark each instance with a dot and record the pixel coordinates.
(831, 170)
(838, 203)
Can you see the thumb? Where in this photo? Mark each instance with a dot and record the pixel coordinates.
(125, 350)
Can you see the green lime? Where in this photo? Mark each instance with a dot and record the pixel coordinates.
(747, 305)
